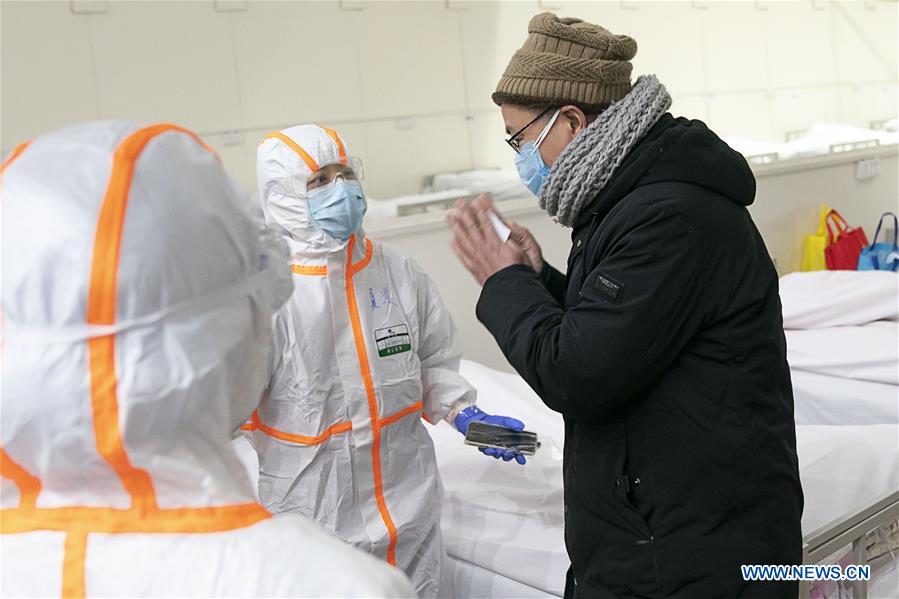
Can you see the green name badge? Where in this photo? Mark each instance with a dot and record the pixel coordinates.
(393, 340)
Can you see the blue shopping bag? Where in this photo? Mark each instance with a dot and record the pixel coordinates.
(881, 256)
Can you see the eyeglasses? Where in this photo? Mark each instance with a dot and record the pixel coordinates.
(513, 140)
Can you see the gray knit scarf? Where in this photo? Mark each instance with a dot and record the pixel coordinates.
(586, 164)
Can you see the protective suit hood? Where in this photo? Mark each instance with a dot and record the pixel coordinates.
(136, 302)
(284, 162)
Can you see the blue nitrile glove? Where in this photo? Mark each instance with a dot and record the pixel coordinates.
(475, 414)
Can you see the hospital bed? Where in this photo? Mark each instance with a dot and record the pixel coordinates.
(817, 140)
(503, 524)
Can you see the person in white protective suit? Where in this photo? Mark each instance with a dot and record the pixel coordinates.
(137, 296)
(363, 350)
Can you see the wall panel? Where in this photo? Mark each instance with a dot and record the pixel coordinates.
(47, 74)
(410, 59)
(170, 61)
(296, 61)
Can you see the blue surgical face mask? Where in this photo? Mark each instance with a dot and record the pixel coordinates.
(529, 162)
(338, 207)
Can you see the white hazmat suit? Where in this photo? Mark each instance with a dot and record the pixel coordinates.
(137, 297)
(363, 350)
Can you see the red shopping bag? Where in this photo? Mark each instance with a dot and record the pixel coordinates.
(844, 245)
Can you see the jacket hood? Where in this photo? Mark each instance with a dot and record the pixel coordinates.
(678, 150)
(137, 295)
(284, 162)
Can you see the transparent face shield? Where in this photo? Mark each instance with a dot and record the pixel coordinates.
(351, 172)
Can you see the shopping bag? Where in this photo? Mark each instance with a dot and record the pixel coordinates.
(844, 243)
(881, 256)
(813, 245)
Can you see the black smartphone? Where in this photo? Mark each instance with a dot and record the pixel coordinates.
(489, 435)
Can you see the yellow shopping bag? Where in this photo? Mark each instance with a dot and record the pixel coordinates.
(814, 245)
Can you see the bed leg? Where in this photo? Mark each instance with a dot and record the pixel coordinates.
(860, 557)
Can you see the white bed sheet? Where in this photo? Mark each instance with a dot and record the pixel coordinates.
(815, 141)
(824, 399)
(508, 520)
(845, 467)
(501, 185)
(865, 353)
(502, 517)
(819, 138)
(474, 582)
(835, 298)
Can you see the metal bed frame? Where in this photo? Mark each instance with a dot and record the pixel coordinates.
(852, 529)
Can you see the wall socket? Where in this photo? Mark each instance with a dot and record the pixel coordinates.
(867, 168)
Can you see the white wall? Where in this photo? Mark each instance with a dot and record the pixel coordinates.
(409, 83)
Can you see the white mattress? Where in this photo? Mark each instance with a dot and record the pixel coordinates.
(506, 519)
(824, 399)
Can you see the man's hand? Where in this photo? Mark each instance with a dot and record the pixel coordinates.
(476, 243)
(526, 242)
(520, 234)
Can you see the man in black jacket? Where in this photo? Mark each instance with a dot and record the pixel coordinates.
(662, 346)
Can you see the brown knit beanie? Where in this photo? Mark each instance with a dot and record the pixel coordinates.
(568, 61)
